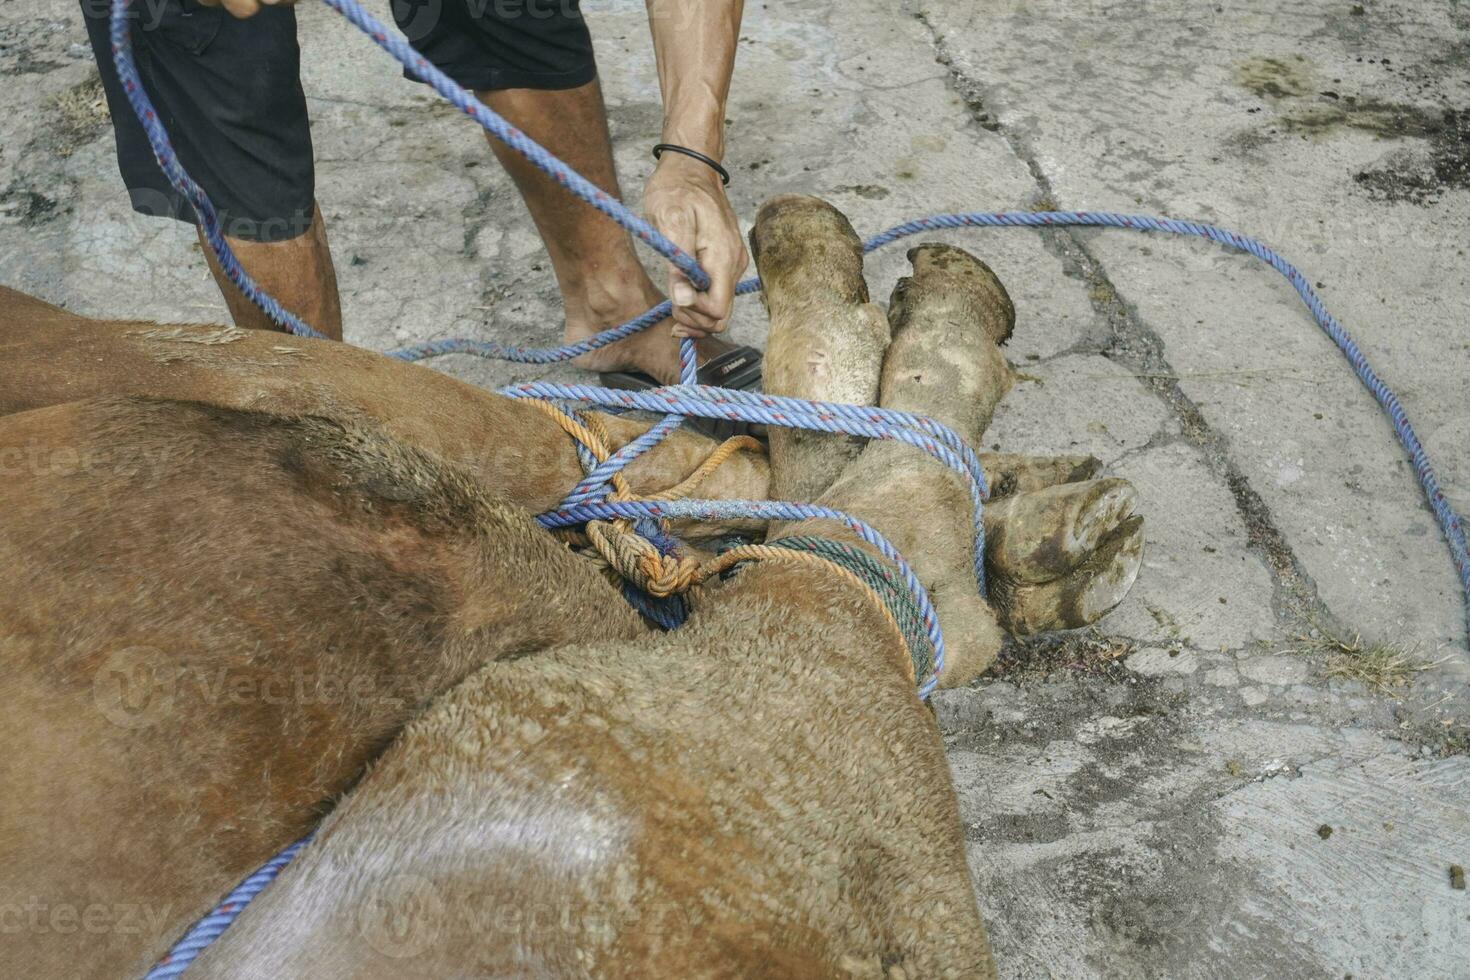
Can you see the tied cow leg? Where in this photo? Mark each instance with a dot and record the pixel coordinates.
(826, 340)
(1062, 549)
(944, 361)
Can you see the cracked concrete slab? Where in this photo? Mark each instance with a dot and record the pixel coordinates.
(1273, 125)
(1142, 799)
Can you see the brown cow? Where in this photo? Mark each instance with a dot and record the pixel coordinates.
(218, 553)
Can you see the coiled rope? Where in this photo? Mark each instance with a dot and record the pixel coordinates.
(592, 499)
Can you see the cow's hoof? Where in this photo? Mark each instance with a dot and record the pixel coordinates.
(1062, 557)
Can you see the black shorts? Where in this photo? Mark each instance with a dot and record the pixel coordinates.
(229, 93)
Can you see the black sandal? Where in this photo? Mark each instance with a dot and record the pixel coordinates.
(738, 370)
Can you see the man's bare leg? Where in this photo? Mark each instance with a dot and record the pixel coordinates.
(602, 282)
(298, 272)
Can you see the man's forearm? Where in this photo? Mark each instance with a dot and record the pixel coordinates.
(694, 42)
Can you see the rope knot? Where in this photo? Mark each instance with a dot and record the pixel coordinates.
(635, 559)
(622, 544)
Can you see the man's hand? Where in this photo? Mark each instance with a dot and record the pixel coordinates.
(694, 45)
(245, 8)
(685, 200)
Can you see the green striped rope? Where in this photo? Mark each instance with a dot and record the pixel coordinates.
(883, 579)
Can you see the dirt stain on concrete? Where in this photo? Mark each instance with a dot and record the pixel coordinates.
(80, 116)
(28, 208)
(1422, 176)
(871, 192)
(1417, 175)
(1386, 119)
(1071, 653)
(1276, 78)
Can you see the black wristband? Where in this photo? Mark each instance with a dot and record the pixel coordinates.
(658, 151)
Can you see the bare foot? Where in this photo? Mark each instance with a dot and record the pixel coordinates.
(654, 351)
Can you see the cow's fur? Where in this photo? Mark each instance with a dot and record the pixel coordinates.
(759, 794)
(287, 592)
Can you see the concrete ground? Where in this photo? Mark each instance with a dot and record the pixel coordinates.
(1220, 780)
